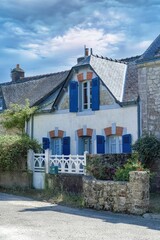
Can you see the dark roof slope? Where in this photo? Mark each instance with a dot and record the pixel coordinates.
(131, 83)
(32, 88)
(152, 52)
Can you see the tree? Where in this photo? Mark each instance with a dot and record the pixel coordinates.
(17, 115)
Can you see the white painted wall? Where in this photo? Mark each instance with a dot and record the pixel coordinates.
(70, 122)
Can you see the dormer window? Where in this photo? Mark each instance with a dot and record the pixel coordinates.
(87, 95)
(84, 95)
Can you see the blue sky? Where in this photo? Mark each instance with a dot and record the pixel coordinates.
(48, 36)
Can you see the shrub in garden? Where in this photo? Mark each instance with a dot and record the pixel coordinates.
(133, 164)
(148, 148)
(13, 151)
(103, 168)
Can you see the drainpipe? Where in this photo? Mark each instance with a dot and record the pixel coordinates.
(32, 126)
(139, 116)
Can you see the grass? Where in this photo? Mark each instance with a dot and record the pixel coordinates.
(63, 198)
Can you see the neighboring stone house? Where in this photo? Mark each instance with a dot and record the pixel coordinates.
(149, 88)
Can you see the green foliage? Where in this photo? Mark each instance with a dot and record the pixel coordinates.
(133, 164)
(13, 151)
(16, 115)
(101, 169)
(148, 148)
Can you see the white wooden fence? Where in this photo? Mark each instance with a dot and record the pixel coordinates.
(40, 164)
(66, 163)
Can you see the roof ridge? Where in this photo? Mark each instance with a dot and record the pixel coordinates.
(36, 77)
(109, 59)
(44, 75)
(130, 59)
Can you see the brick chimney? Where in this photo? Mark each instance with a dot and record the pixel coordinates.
(86, 54)
(17, 73)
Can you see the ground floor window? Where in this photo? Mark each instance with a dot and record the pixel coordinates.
(115, 144)
(85, 144)
(56, 146)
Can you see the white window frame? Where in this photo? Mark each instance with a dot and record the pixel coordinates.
(115, 144)
(56, 144)
(88, 87)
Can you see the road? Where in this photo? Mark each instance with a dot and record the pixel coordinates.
(25, 219)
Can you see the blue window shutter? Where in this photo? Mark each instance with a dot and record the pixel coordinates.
(45, 143)
(73, 103)
(95, 93)
(66, 146)
(100, 144)
(126, 143)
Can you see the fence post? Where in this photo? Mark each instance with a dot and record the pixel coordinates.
(30, 160)
(47, 156)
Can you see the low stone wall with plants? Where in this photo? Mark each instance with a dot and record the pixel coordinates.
(125, 197)
(14, 179)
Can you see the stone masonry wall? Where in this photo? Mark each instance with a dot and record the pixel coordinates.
(126, 197)
(149, 91)
(20, 179)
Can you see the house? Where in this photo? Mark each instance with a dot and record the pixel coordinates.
(99, 106)
(96, 109)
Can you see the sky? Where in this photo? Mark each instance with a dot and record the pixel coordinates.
(48, 36)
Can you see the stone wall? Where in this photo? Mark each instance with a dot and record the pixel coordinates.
(21, 179)
(149, 85)
(149, 92)
(65, 182)
(126, 197)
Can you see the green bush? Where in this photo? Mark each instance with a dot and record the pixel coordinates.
(13, 151)
(148, 148)
(133, 164)
(103, 169)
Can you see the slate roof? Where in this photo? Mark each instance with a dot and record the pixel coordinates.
(32, 88)
(130, 92)
(152, 52)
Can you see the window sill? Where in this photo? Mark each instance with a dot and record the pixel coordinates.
(86, 113)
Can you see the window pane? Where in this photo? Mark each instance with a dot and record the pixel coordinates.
(56, 146)
(87, 95)
(115, 144)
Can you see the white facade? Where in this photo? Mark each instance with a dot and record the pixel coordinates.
(70, 122)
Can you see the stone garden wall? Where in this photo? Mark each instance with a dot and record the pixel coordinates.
(126, 197)
(20, 179)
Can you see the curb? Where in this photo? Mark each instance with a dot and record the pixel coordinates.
(151, 216)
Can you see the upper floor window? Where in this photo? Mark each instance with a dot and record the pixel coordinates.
(87, 95)
(84, 95)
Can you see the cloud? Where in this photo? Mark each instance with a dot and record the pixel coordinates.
(73, 40)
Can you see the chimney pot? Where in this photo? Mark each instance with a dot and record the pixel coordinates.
(17, 66)
(86, 52)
